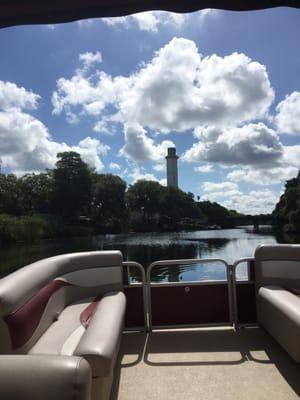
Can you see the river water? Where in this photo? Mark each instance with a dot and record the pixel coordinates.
(226, 244)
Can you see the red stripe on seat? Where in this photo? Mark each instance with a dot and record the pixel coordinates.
(23, 322)
(87, 313)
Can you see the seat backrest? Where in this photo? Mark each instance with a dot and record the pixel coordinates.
(32, 297)
(277, 265)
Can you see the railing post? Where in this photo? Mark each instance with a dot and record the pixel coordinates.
(231, 282)
(230, 292)
(148, 290)
(234, 296)
(182, 262)
(249, 261)
(126, 265)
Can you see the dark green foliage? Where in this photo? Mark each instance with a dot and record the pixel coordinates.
(287, 210)
(74, 200)
(218, 215)
(108, 201)
(37, 192)
(178, 204)
(10, 195)
(24, 228)
(215, 211)
(145, 197)
(160, 206)
(72, 185)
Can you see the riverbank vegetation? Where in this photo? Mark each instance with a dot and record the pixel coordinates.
(73, 200)
(287, 210)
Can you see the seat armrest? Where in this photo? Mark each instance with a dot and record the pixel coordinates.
(47, 377)
(283, 300)
(100, 343)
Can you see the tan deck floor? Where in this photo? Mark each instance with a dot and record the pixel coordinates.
(205, 364)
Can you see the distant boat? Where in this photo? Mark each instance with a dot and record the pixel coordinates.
(214, 227)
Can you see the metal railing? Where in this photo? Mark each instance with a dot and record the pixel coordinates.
(146, 284)
(247, 260)
(142, 284)
(186, 262)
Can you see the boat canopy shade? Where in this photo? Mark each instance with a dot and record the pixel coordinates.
(23, 12)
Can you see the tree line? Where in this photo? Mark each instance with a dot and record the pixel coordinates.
(287, 210)
(74, 199)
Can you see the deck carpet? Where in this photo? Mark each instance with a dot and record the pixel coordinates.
(205, 364)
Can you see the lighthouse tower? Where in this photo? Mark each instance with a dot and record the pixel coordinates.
(172, 174)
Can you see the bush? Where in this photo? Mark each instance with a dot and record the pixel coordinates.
(25, 228)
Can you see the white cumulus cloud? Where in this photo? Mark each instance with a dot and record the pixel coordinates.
(263, 177)
(104, 127)
(114, 166)
(13, 96)
(251, 144)
(208, 187)
(255, 202)
(138, 173)
(26, 145)
(89, 59)
(149, 21)
(204, 168)
(177, 90)
(140, 147)
(160, 167)
(291, 156)
(152, 21)
(287, 118)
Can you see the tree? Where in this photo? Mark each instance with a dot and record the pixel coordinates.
(178, 204)
(214, 211)
(168, 204)
(146, 197)
(37, 191)
(287, 210)
(108, 198)
(10, 195)
(72, 185)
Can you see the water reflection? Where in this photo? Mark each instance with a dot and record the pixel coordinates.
(227, 244)
(195, 272)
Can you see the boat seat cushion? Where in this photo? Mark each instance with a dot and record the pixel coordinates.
(90, 328)
(279, 313)
(295, 291)
(101, 341)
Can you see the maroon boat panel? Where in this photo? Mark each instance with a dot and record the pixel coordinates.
(246, 303)
(195, 304)
(134, 316)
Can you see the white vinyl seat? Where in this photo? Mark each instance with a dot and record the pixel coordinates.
(277, 270)
(67, 335)
(68, 308)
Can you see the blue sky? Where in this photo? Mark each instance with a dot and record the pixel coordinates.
(222, 86)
